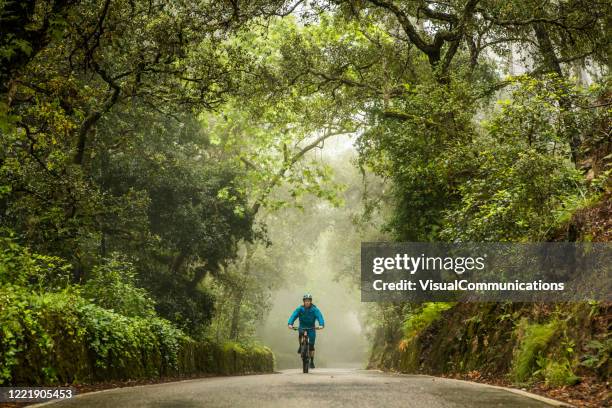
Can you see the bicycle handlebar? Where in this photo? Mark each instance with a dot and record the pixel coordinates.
(306, 328)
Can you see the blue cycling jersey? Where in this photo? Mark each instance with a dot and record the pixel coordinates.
(307, 316)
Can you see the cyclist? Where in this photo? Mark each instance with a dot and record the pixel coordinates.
(307, 313)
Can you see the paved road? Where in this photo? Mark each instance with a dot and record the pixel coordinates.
(320, 388)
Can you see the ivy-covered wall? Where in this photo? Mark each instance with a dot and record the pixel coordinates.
(57, 338)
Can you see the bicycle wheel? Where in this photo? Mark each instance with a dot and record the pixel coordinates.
(305, 358)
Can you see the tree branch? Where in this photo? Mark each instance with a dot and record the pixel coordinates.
(432, 51)
(95, 115)
(288, 163)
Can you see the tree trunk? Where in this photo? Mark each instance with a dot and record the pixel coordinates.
(235, 322)
(239, 294)
(552, 64)
(179, 261)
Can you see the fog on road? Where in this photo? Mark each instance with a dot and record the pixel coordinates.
(320, 388)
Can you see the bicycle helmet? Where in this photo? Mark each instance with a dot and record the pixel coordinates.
(307, 296)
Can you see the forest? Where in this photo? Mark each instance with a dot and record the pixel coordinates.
(169, 169)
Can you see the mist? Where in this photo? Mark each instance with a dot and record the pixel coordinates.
(321, 245)
(343, 342)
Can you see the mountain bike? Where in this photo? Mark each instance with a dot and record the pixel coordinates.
(305, 347)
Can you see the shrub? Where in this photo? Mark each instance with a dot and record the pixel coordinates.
(61, 338)
(598, 356)
(50, 337)
(18, 266)
(112, 285)
(558, 374)
(42, 336)
(533, 340)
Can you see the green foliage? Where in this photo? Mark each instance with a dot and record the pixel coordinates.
(525, 342)
(532, 342)
(555, 373)
(512, 194)
(118, 342)
(248, 358)
(59, 337)
(598, 356)
(410, 146)
(225, 358)
(503, 180)
(160, 133)
(106, 329)
(18, 266)
(101, 151)
(420, 319)
(112, 285)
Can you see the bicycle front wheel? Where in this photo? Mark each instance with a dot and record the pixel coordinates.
(305, 358)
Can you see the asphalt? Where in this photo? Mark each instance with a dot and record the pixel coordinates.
(320, 388)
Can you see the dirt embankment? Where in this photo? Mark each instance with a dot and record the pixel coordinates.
(558, 350)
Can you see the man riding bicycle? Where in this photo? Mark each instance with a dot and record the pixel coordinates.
(307, 313)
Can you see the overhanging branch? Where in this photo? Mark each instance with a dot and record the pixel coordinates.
(288, 164)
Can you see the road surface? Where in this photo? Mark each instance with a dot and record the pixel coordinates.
(320, 388)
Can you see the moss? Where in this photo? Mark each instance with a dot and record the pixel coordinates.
(558, 374)
(236, 358)
(533, 340)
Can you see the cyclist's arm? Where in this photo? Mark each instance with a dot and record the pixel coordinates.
(320, 318)
(293, 317)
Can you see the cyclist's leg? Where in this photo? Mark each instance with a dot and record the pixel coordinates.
(312, 337)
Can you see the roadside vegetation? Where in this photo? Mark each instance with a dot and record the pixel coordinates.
(152, 155)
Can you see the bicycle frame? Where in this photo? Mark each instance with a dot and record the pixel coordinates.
(305, 346)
